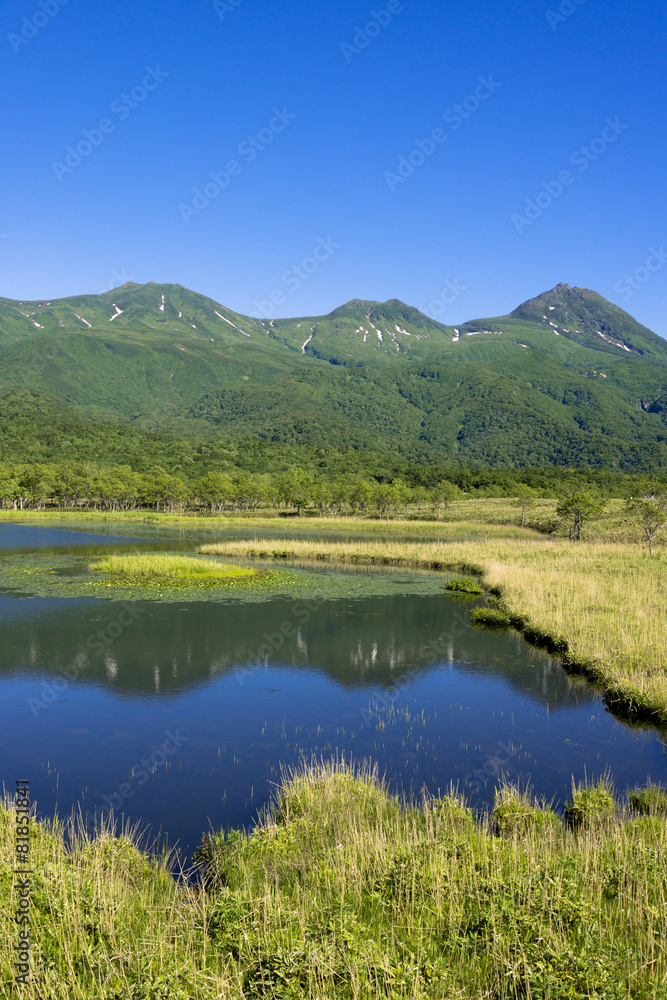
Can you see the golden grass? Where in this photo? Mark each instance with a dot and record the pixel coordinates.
(608, 600)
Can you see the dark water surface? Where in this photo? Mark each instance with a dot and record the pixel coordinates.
(180, 715)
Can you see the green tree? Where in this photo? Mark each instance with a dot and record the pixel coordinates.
(382, 498)
(157, 487)
(420, 496)
(214, 490)
(444, 493)
(400, 495)
(525, 497)
(651, 512)
(294, 487)
(361, 495)
(9, 487)
(35, 483)
(577, 508)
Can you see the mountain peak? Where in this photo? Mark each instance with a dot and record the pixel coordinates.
(583, 315)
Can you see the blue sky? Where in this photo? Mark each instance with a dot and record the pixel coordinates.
(461, 156)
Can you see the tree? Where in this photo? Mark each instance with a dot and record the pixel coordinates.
(420, 496)
(578, 508)
(525, 498)
(35, 485)
(9, 487)
(382, 498)
(294, 487)
(444, 493)
(215, 490)
(651, 512)
(400, 495)
(361, 495)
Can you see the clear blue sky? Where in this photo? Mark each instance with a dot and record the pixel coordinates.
(333, 110)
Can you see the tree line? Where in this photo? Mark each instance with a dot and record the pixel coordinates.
(423, 490)
(120, 488)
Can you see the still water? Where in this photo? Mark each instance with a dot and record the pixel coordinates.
(180, 715)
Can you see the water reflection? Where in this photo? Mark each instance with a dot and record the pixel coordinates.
(148, 649)
(92, 691)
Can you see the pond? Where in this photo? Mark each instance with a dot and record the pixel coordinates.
(180, 713)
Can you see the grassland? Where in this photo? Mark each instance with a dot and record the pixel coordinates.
(344, 893)
(148, 567)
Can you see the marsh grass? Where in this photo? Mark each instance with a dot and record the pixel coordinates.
(601, 604)
(344, 892)
(163, 566)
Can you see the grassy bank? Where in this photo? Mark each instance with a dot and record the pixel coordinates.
(602, 604)
(146, 567)
(343, 893)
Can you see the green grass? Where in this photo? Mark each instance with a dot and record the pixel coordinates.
(490, 618)
(649, 801)
(465, 585)
(345, 893)
(162, 566)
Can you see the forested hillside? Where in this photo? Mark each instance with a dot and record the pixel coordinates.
(567, 379)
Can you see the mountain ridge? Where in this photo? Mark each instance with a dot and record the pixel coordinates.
(566, 378)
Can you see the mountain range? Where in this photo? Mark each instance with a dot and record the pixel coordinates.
(567, 378)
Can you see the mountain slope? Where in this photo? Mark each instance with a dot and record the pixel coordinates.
(567, 378)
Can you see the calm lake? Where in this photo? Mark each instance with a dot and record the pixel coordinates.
(180, 713)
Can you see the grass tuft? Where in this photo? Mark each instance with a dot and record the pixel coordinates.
(591, 805)
(464, 585)
(490, 618)
(648, 801)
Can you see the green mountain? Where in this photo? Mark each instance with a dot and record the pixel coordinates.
(568, 378)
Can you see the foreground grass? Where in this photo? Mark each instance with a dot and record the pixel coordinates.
(163, 566)
(344, 893)
(603, 605)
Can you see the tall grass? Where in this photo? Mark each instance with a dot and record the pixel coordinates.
(608, 602)
(344, 893)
